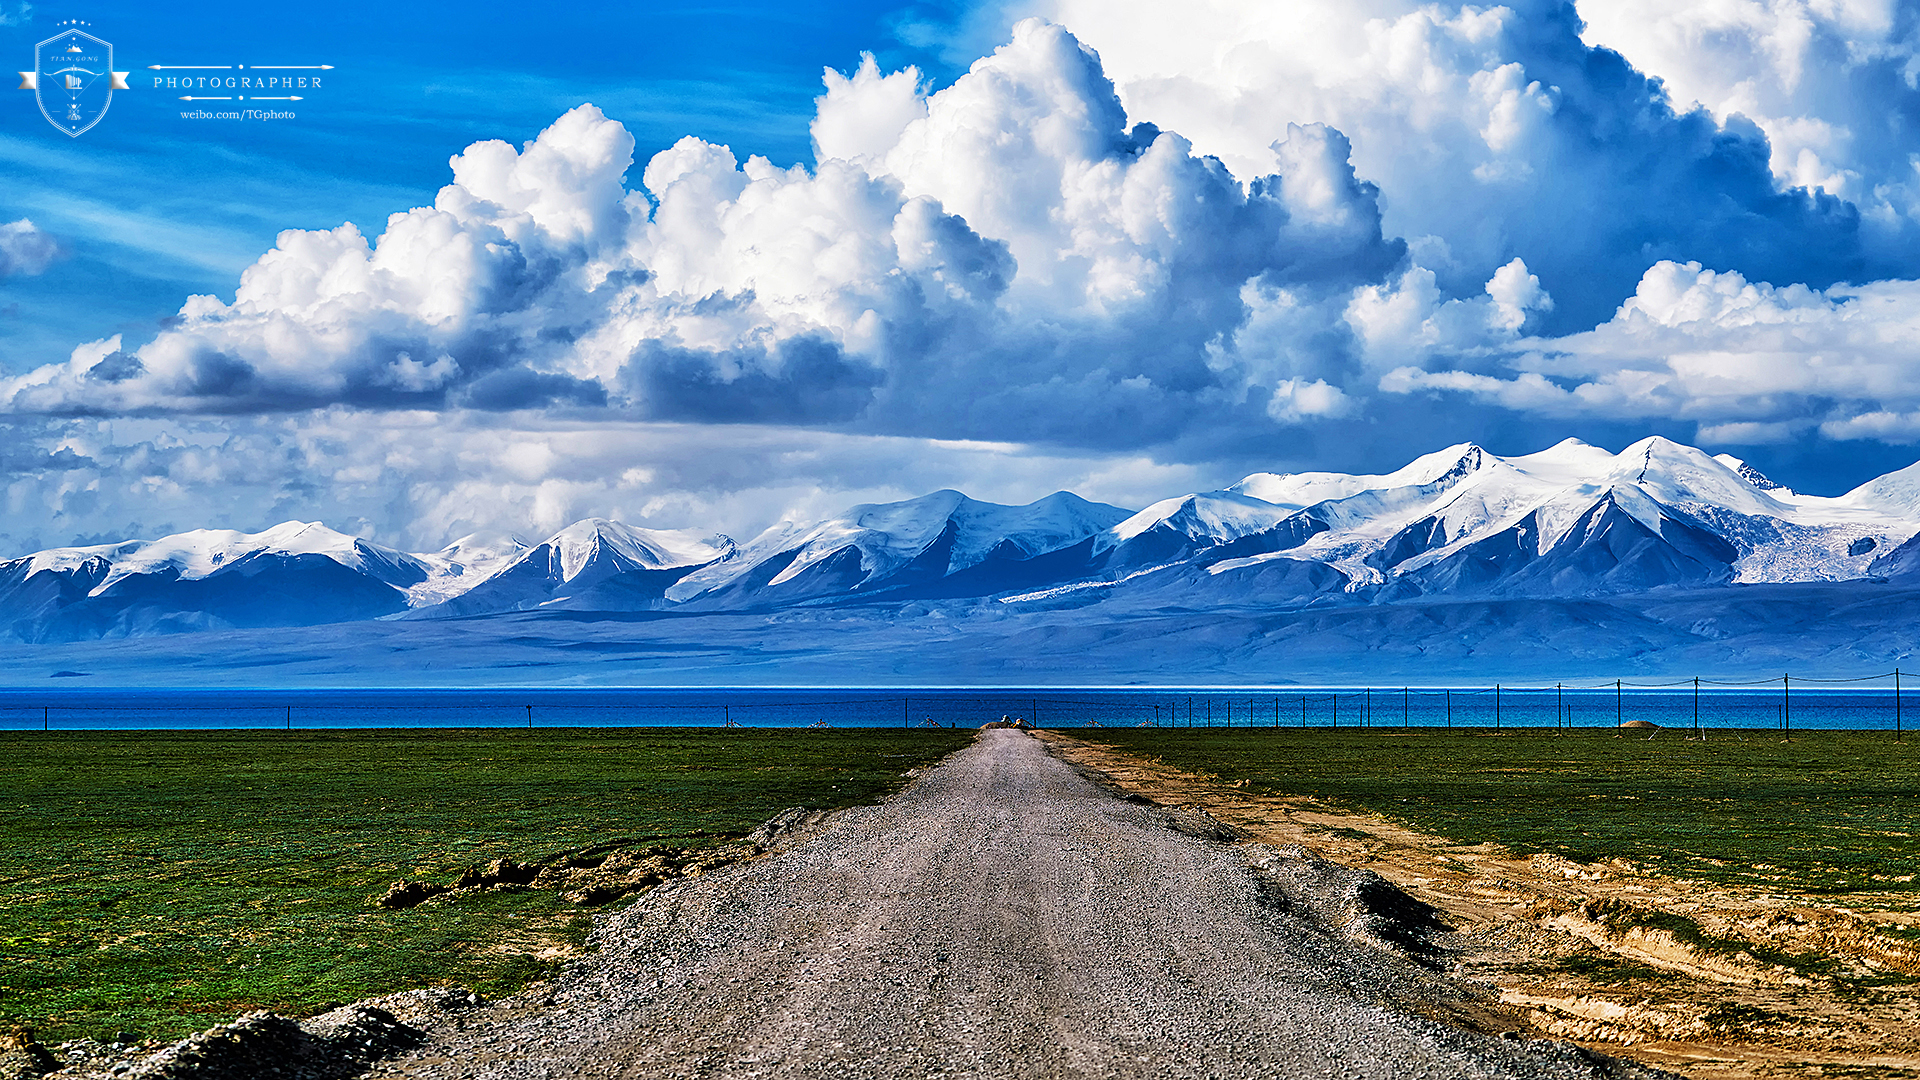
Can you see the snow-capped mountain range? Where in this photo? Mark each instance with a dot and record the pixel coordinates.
(1572, 521)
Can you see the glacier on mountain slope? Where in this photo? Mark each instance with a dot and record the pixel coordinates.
(463, 564)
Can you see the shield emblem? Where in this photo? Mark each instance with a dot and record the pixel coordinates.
(75, 80)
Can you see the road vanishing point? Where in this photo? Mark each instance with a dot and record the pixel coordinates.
(1004, 916)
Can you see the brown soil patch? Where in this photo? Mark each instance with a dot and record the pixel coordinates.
(1716, 982)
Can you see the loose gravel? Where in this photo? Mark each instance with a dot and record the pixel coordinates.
(1005, 916)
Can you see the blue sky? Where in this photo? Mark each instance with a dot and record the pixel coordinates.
(1133, 253)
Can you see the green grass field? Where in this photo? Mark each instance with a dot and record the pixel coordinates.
(159, 882)
(1827, 813)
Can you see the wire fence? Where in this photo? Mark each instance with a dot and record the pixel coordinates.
(1785, 702)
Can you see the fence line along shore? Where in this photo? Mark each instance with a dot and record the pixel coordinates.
(1785, 702)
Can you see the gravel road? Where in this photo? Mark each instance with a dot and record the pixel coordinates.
(1005, 916)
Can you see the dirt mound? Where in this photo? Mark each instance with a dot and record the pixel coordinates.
(1359, 905)
(1197, 823)
(587, 877)
(787, 825)
(341, 1043)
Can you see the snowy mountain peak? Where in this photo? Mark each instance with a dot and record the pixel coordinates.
(465, 563)
(910, 522)
(1750, 474)
(1760, 480)
(1438, 470)
(483, 547)
(1897, 492)
(198, 553)
(886, 545)
(1221, 515)
(1684, 476)
(1568, 461)
(1442, 468)
(578, 545)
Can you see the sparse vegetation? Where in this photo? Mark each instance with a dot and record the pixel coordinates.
(1619, 917)
(1600, 969)
(157, 882)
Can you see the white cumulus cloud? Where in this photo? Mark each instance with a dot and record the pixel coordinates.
(1409, 319)
(25, 249)
(1821, 78)
(1748, 361)
(1011, 253)
(1493, 132)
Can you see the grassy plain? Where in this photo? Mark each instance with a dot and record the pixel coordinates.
(1830, 812)
(158, 882)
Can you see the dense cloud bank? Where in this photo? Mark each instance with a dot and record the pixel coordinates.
(1277, 227)
(1835, 86)
(1503, 131)
(1750, 362)
(421, 478)
(1009, 254)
